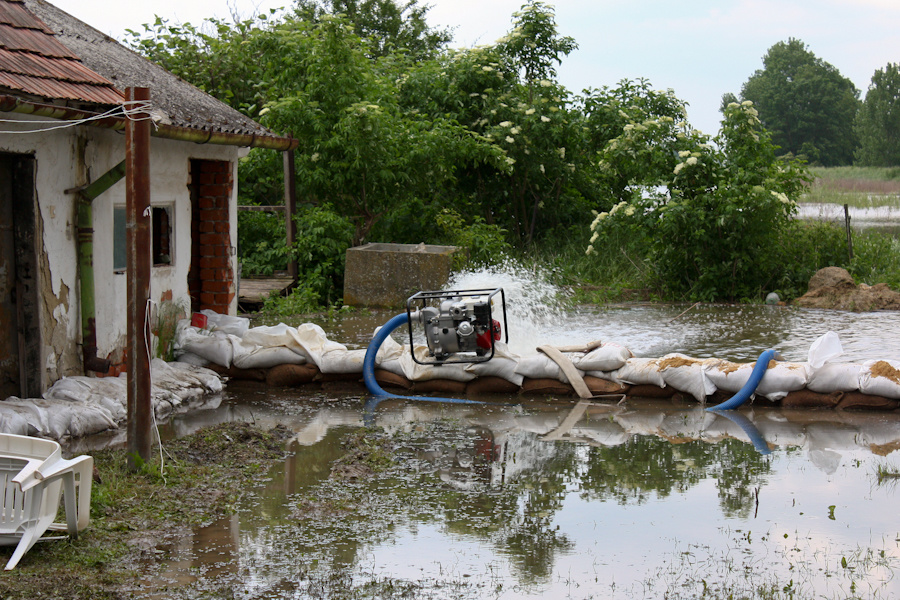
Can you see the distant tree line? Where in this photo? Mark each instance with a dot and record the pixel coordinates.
(814, 112)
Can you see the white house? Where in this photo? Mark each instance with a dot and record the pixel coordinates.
(61, 124)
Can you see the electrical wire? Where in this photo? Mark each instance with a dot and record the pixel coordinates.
(130, 109)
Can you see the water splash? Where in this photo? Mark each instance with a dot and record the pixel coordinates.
(534, 306)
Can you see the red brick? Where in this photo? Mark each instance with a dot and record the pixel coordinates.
(207, 226)
(205, 178)
(224, 250)
(213, 190)
(214, 239)
(221, 227)
(218, 214)
(213, 262)
(217, 286)
(207, 298)
(206, 203)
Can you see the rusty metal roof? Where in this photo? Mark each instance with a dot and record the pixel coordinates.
(35, 63)
(49, 56)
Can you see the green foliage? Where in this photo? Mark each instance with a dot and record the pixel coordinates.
(708, 215)
(878, 122)
(806, 104)
(320, 249)
(389, 26)
(484, 244)
(261, 242)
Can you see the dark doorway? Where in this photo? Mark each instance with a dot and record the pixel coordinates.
(19, 321)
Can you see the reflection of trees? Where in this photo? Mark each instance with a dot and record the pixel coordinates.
(644, 465)
(449, 474)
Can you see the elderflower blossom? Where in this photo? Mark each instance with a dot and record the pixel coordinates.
(684, 153)
(314, 157)
(515, 131)
(510, 161)
(596, 222)
(510, 139)
(530, 111)
(506, 124)
(487, 69)
(678, 168)
(545, 119)
(589, 251)
(691, 161)
(545, 83)
(594, 237)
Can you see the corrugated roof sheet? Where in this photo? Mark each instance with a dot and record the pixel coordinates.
(49, 54)
(34, 62)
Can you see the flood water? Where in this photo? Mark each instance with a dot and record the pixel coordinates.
(541, 497)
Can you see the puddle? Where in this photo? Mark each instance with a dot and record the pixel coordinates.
(559, 500)
(527, 499)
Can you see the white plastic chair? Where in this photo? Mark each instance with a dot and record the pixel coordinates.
(33, 478)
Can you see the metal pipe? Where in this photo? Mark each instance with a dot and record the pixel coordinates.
(85, 225)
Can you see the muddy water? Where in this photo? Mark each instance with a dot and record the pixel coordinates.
(557, 499)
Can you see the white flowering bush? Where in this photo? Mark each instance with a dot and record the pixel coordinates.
(709, 214)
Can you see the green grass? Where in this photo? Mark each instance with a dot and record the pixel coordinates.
(860, 187)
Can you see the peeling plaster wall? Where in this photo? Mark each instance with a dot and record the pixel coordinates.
(61, 165)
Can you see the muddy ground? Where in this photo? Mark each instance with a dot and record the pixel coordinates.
(134, 516)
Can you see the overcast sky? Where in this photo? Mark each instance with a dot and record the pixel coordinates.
(699, 48)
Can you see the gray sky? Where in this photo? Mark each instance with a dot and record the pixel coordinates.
(699, 48)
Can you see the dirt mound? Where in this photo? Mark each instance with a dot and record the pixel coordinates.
(833, 287)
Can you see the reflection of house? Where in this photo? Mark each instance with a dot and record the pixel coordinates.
(54, 72)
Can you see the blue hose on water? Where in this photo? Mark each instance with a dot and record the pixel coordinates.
(759, 369)
(369, 366)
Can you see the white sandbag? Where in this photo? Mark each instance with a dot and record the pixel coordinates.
(252, 356)
(13, 421)
(607, 357)
(880, 378)
(834, 377)
(237, 326)
(190, 358)
(779, 379)
(80, 388)
(503, 364)
(425, 372)
(388, 356)
(782, 378)
(340, 361)
(206, 378)
(540, 366)
(270, 336)
(216, 347)
(641, 371)
(686, 374)
(68, 418)
(726, 375)
(313, 342)
(824, 349)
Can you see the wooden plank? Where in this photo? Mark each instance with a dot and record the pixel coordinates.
(255, 290)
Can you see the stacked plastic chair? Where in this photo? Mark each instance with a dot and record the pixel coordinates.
(33, 479)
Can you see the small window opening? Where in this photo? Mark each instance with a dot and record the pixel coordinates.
(162, 237)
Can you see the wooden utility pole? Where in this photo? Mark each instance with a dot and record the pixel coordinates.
(137, 225)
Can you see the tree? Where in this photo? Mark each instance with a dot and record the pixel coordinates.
(805, 103)
(710, 216)
(878, 122)
(389, 25)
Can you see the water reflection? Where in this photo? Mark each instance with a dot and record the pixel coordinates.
(516, 502)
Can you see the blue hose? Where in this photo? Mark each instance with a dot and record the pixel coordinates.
(369, 366)
(759, 369)
(756, 437)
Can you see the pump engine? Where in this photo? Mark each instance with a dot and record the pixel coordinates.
(458, 324)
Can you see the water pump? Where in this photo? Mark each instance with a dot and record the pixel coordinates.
(459, 325)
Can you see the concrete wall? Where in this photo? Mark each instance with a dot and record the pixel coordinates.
(67, 158)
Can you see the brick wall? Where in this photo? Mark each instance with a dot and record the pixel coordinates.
(211, 280)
